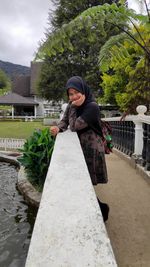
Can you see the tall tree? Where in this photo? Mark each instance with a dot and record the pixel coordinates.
(126, 70)
(125, 63)
(67, 10)
(74, 48)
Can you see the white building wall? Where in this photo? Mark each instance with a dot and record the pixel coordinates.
(40, 107)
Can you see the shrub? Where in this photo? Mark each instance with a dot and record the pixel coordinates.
(37, 152)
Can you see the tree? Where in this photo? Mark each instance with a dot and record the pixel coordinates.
(4, 83)
(125, 62)
(75, 47)
(58, 68)
(67, 11)
(51, 84)
(126, 79)
(116, 75)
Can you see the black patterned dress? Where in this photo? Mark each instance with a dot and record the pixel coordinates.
(91, 144)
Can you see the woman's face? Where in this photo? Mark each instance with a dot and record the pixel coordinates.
(73, 94)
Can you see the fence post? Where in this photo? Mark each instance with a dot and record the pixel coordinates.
(138, 144)
(5, 142)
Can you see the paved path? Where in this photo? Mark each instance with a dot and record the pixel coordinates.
(128, 227)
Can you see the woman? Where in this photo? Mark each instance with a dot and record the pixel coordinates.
(83, 116)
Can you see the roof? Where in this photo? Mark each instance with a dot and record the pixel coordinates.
(21, 85)
(15, 99)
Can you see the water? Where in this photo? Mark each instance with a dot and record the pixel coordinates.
(16, 220)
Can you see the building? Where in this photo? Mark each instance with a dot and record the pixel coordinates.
(24, 98)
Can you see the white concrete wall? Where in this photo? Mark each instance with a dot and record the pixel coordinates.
(69, 229)
(40, 107)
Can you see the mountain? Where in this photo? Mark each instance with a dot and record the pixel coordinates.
(14, 69)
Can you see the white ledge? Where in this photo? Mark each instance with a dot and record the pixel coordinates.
(69, 230)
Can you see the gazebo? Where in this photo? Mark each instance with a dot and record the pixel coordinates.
(21, 106)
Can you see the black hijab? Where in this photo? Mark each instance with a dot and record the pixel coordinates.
(89, 110)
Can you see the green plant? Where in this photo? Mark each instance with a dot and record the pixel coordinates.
(75, 46)
(37, 152)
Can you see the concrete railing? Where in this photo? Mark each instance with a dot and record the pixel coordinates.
(69, 230)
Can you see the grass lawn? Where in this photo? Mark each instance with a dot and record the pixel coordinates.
(19, 129)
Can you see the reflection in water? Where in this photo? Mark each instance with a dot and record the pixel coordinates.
(16, 220)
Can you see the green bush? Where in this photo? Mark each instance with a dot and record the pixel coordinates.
(37, 152)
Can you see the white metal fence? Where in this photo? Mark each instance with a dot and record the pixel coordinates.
(11, 143)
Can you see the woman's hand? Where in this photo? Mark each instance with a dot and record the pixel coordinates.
(54, 130)
(79, 101)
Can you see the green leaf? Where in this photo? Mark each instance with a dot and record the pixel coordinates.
(37, 152)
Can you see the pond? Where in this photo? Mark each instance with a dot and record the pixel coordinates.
(16, 220)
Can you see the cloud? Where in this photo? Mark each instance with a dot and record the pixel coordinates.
(22, 25)
(134, 5)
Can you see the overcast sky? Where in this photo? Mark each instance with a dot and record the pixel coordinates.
(22, 26)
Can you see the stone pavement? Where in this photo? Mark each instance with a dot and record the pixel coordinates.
(128, 226)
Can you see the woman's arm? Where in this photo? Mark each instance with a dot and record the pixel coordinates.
(63, 124)
(75, 123)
